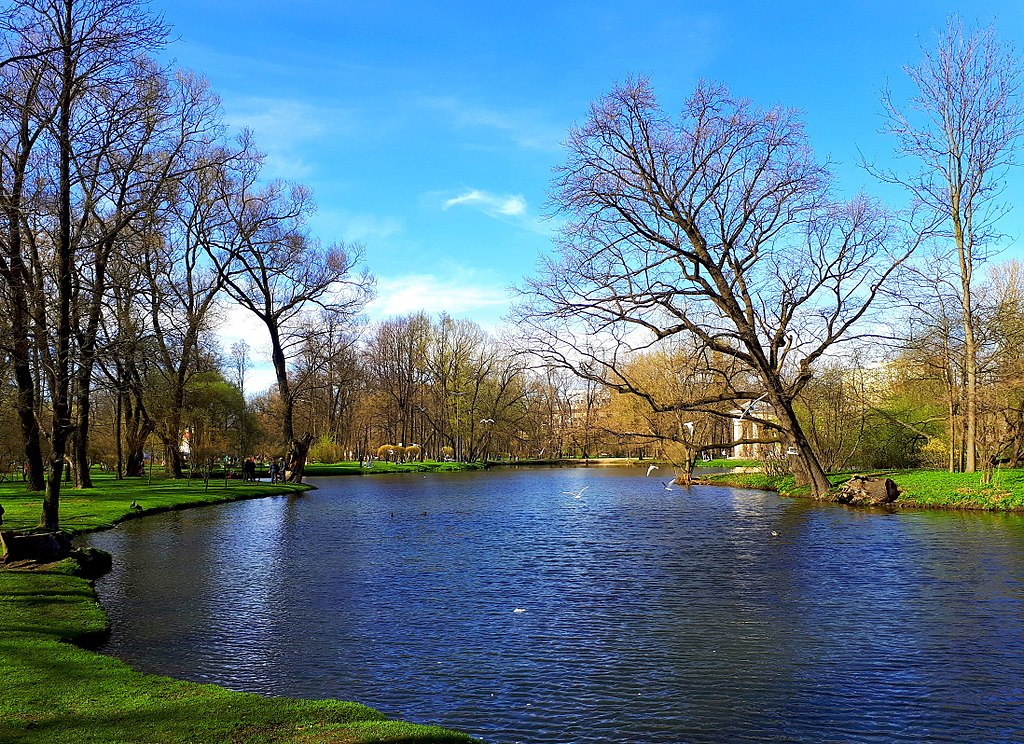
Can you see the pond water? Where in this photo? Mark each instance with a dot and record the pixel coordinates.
(499, 604)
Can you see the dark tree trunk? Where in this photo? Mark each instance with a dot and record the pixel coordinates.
(295, 463)
(15, 274)
(30, 432)
(137, 428)
(807, 469)
(86, 366)
(60, 373)
(80, 458)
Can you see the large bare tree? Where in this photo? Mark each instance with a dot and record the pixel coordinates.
(959, 129)
(276, 270)
(719, 230)
(70, 56)
(153, 135)
(26, 121)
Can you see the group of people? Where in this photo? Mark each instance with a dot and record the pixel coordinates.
(276, 470)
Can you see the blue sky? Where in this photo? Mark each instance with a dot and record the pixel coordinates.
(429, 131)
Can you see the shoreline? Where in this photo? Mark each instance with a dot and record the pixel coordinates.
(919, 489)
(60, 687)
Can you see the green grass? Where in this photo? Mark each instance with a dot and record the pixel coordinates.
(110, 502)
(727, 463)
(938, 488)
(757, 481)
(379, 466)
(918, 488)
(54, 690)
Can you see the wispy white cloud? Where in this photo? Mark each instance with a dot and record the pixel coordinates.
(459, 294)
(512, 208)
(512, 205)
(524, 127)
(285, 128)
(352, 227)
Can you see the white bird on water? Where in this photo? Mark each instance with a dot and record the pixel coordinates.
(651, 469)
(576, 494)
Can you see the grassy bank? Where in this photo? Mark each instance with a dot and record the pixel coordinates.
(57, 691)
(379, 466)
(936, 489)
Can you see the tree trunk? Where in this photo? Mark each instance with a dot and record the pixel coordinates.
(175, 463)
(971, 399)
(30, 433)
(118, 437)
(137, 428)
(80, 456)
(951, 413)
(965, 256)
(60, 373)
(807, 469)
(50, 518)
(21, 352)
(87, 364)
(295, 463)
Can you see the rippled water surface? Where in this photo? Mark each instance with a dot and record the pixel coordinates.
(497, 604)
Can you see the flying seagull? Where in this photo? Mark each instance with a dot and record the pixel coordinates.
(651, 469)
(576, 494)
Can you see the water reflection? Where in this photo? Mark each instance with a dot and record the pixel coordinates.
(497, 604)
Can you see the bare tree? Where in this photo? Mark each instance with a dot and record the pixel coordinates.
(184, 285)
(718, 229)
(241, 363)
(73, 53)
(151, 135)
(25, 122)
(274, 269)
(397, 360)
(960, 128)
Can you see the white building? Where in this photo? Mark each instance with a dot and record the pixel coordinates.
(743, 427)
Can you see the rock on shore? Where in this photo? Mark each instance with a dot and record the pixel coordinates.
(863, 490)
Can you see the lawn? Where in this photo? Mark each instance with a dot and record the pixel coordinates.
(918, 488)
(381, 466)
(54, 690)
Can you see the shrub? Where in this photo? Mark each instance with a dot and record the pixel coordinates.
(325, 449)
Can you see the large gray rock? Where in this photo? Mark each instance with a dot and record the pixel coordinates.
(44, 547)
(866, 491)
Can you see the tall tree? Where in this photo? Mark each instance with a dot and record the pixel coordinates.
(961, 126)
(718, 229)
(274, 269)
(25, 121)
(184, 285)
(152, 134)
(82, 50)
(397, 360)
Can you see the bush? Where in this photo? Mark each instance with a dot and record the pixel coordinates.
(325, 449)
